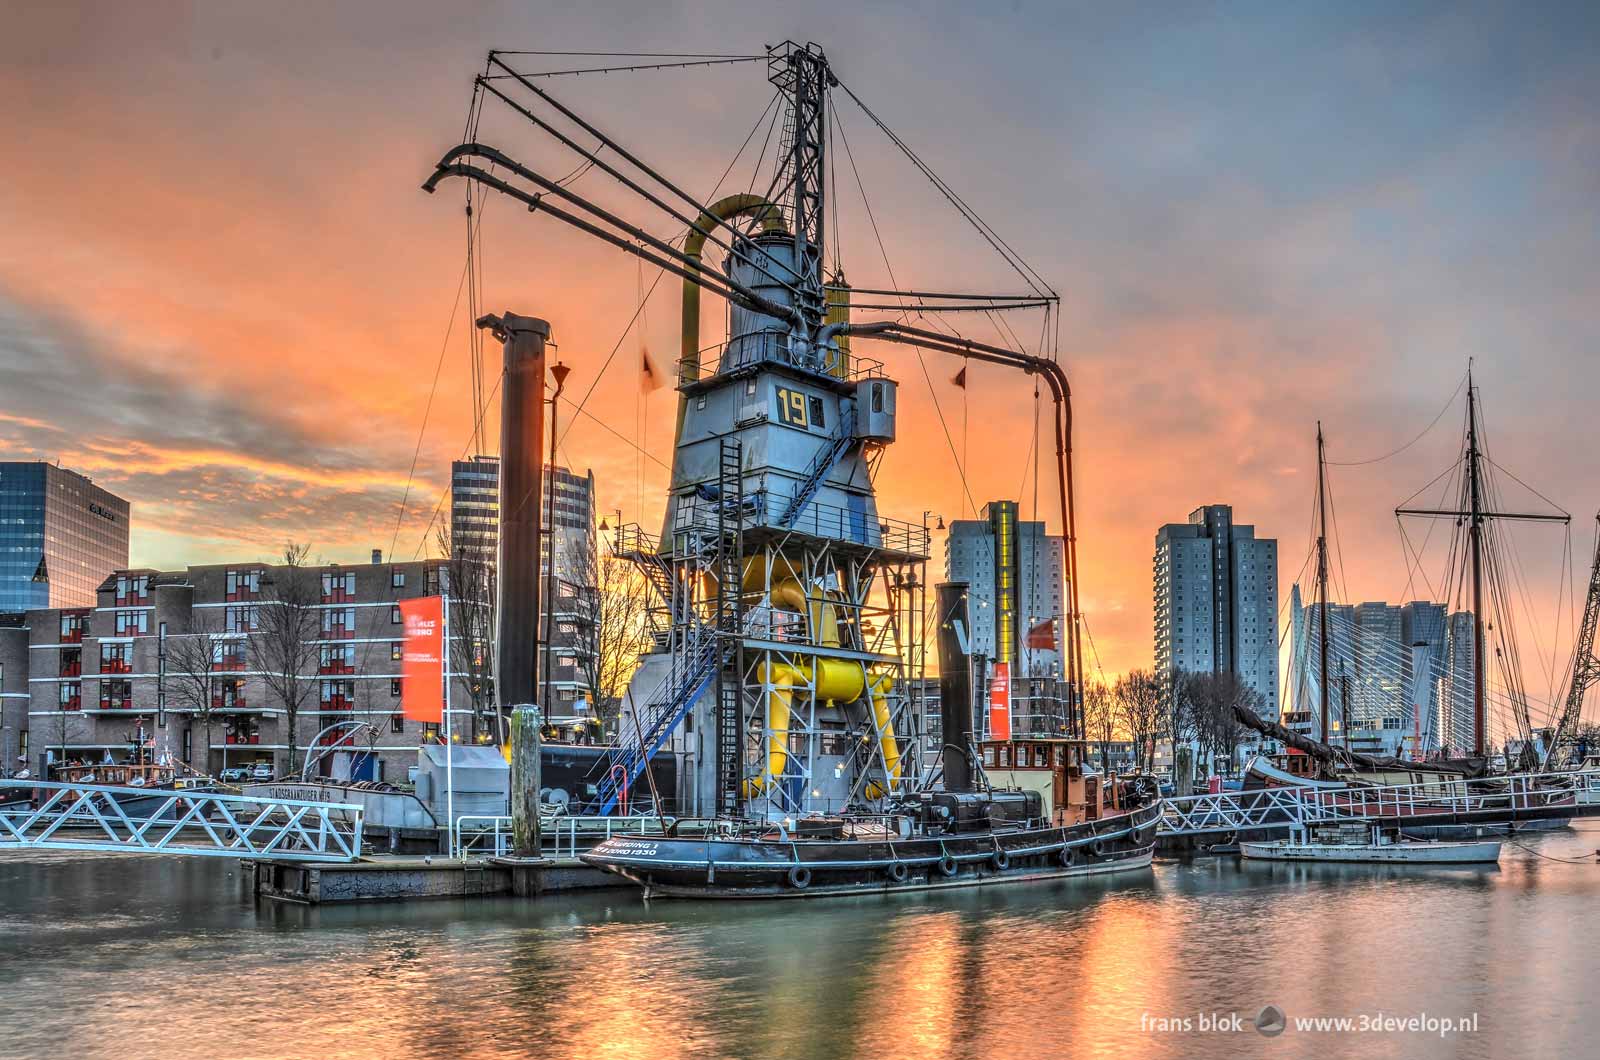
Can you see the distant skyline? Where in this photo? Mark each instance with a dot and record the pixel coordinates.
(223, 296)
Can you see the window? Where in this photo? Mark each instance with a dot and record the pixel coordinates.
(114, 659)
(116, 695)
(397, 723)
(430, 732)
(396, 651)
(817, 419)
(566, 695)
(336, 659)
(339, 623)
(877, 397)
(394, 687)
(397, 579)
(73, 625)
(566, 660)
(338, 586)
(132, 623)
(239, 620)
(132, 588)
(337, 695)
(71, 697)
(242, 584)
(71, 662)
(394, 616)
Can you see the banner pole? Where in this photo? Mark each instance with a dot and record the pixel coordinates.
(449, 733)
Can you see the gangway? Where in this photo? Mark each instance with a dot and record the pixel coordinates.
(1488, 800)
(186, 822)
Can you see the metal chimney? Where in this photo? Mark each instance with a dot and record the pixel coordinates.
(521, 486)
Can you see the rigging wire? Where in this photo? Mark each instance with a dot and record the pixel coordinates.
(1414, 441)
(961, 470)
(632, 68)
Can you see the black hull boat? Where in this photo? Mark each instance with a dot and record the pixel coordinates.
(867, 856)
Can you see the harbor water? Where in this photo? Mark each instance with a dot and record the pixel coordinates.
(125, 957)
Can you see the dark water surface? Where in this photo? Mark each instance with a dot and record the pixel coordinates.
(109, 956)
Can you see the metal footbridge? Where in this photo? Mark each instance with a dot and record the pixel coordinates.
(191, 823)
(1490, 800)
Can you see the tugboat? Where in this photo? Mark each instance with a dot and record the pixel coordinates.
(940, 839)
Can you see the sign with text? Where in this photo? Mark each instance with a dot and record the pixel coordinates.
(1000, 702)
(422, 659)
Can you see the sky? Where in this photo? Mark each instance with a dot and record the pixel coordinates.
(224, 296)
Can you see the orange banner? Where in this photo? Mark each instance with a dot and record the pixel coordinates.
(1000, 702)
(422, 663)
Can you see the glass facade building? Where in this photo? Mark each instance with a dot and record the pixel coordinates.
(60, 536)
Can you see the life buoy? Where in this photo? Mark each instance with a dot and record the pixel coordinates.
(1000, 859)
(948, 866)
(799, 877)
(898, 871)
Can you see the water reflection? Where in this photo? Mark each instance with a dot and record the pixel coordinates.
(103, 956)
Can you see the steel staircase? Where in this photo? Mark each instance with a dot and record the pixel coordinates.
(824, 462)
(692, 672)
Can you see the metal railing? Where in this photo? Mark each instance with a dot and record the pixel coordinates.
(1486, 798)
(179, 822)
(559, 837)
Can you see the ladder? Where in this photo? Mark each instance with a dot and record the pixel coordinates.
(730, 626)
(821, 465)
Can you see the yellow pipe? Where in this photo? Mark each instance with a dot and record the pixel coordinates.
(839, 313)
(771, 219)
(878, 690)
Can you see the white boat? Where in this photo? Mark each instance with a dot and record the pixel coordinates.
(1357, 843)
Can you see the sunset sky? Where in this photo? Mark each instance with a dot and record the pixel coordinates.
(223, 295)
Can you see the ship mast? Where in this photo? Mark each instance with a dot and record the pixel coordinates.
(1477, 524)
(1322, 581)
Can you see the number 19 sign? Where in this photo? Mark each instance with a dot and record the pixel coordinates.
(422, 660)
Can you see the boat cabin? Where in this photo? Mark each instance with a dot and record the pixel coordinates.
(1053, 767)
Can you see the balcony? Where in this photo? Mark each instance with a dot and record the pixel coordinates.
(118, 703)
(116, 666)
(73, 668)
(72, 635)
(231, 662)
(335, 703)
(336, 668)
(226, 703)
(241, 739)
(339, 632)
(73, 703)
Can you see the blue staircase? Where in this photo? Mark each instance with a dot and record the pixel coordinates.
(657, 719)
(825, 461)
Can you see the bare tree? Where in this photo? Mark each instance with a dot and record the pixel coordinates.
(470, 587)
(1138, 695)
(612, 631)
(194, 660)
(1100, 719)
(1214, 697)
(290, 622)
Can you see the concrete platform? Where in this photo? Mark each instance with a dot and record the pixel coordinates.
(398, 878)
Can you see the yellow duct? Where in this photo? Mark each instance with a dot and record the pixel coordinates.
(878, 689)
(790, 595)
(771, 219)
(839, 313)
(833, 681)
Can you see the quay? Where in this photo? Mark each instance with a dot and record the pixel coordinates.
(395, 878)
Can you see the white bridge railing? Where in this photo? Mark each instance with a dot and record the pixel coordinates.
(559, 837)
(183, 822)
(1488, 798)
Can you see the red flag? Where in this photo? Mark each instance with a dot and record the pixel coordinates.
(649, 378)
(1000, 702)
(1043, 636)
(422, 660)
(960, 378)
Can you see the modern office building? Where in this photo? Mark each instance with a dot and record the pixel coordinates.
(1017, 578)
(568, 501)
(60, 535)
(1216, 601)
(1403, 671)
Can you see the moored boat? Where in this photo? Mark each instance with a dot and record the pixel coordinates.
(956, 840)
(1357, 843)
